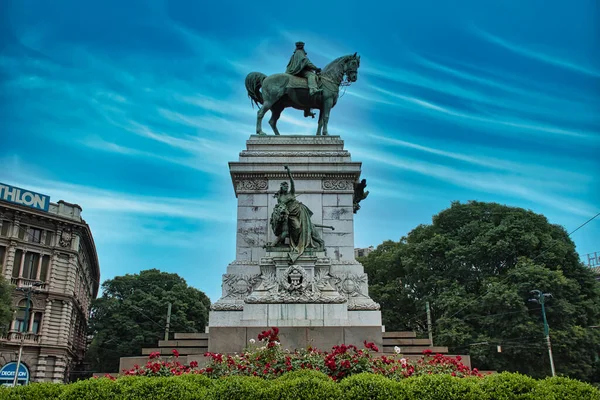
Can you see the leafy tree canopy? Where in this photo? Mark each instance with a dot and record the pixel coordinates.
(476, 265)
(132, 314)
(6, 309)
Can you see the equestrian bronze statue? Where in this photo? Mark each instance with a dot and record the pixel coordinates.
(299, 88)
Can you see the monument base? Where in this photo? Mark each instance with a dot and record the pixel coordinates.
(301, 325)
(235, 339)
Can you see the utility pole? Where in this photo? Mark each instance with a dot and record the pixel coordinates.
(28, 291)
(429, 329)
(168, 322)
(540, 299)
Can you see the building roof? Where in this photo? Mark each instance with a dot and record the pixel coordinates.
(66, 213)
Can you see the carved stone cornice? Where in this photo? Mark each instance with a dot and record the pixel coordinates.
(297, 176)
(278, 140)
(282, 153)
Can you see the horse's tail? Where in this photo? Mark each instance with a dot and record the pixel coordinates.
(254, 82)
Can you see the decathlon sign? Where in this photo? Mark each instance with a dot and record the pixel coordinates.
(7, 374)
(24, 197)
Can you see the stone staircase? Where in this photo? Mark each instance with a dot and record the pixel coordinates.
(192, 346)
(185, 343)
(411, 347)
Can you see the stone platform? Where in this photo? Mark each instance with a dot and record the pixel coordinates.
(320, 295)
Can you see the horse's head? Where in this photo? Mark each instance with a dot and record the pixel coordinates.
(351, 67)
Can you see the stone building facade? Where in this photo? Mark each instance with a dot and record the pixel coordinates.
(52, 253)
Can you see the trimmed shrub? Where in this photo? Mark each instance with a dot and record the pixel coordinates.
(237, 387)
(304, 374)
(370, 386)
(94, 389)
(441, 387)
(34, 391)
(559, 388)
(508, 386)
(310, 388)
(309, 385)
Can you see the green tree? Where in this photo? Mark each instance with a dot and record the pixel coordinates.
(132, 313)
(6, 309)
(476, 265)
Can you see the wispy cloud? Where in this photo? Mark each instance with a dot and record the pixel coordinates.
(537, 55)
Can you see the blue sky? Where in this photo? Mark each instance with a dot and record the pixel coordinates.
(133, 109)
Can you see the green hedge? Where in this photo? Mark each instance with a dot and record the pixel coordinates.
(310, 385)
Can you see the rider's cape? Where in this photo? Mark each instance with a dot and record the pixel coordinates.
(297, 63)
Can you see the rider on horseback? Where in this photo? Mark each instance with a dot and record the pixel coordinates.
(300, 65)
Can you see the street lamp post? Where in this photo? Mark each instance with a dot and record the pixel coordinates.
(28, 290)
(540, 299)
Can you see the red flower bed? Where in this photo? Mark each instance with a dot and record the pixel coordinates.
(269, 360)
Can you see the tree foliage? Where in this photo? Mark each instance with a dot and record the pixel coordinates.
(476, 265)
(132, 313)
(6, 308)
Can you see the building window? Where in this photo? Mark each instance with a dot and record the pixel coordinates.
(2, 255)
(44, 269)
(37, 323)
(49, 237)
(30, 267)
(22, 231)
(20, 322)
(17, 263)
(35, 235)
(5, 228)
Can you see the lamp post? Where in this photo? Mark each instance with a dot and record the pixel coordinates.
(540, 298)
(28, 290)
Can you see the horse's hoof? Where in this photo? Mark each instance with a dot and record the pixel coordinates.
(261, 133)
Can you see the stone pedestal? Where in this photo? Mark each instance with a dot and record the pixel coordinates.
(319, 296)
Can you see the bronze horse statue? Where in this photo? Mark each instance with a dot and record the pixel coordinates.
(280, 91)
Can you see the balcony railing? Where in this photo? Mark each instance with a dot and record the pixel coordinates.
(18, 336)
(24, 282)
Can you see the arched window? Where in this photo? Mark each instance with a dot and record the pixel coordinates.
(20, 322)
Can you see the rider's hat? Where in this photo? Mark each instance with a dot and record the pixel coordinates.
(299, 45)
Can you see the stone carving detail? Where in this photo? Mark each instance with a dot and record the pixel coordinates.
(295, 286)
(239, 286)
(227, 306)
(370, 306)
(354, 288)
(66, 237)
(251, 184)
(351, 285)
(337, 184)
(295, 279)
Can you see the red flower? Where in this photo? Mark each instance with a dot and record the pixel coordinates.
(154, 354)
(194, 364)
(175, 353)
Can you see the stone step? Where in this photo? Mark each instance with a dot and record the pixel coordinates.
(167, 351)
(466, 360)
(183, 343)
(406, 342)
(190, 335)
(416, 349)
(399, 335)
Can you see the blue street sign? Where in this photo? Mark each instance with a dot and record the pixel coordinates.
(7, 374)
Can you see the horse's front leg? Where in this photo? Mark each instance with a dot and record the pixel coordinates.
(327, 105)
(320, 124)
